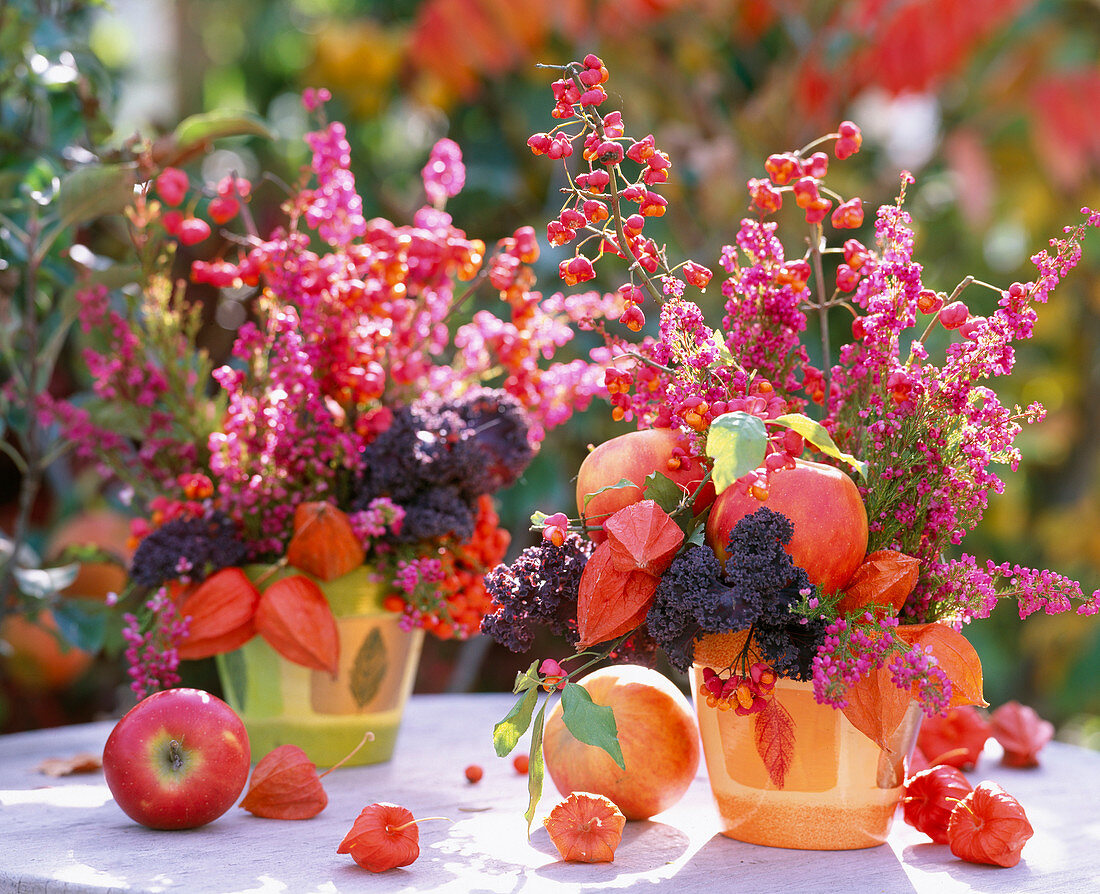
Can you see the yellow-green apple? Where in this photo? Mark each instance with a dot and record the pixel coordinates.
(826, 510)
(178, 759)
(658, 735)
(634, 456)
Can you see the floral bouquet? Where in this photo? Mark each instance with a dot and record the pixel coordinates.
(372, 404)
(786, 508)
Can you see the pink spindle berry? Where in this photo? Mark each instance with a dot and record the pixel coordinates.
(782, 168)
(954, 315)
(805, 192)
(696, 274)
(633, 318)
(192, 230)
(849, 141)
(223, 209)
(171, 185)
(849, 215)
(846, 278)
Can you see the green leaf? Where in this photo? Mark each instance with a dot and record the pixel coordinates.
(618, 485)
(201, 128)
(94, 191)
(538, 518)
(82, 622)
(528, 679)
(591, 723)
(737, 443)
(819, 436)
(665, 492)
(535, 768)
(506, 734)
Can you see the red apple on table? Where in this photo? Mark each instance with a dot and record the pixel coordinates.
(825, 507)
(178, 759)
(634, 456)
(658, 735)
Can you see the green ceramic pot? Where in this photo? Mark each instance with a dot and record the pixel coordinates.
(285, 703)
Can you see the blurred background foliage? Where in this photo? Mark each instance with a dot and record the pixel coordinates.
(990, 103)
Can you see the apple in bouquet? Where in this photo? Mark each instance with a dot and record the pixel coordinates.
(635, 456)
(826, 509)
(178, 759)
(658, 735)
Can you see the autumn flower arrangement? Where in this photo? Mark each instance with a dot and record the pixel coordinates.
(692, 534)
(373, 403)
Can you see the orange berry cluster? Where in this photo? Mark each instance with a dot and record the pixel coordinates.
(745, 694)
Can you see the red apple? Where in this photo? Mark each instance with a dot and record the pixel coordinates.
(178, 759)
(658, 735)
(824, 505)
(634, 456)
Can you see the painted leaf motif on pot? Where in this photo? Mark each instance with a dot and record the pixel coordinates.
(368, 670)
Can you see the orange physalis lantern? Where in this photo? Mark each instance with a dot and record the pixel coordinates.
(988, 826)
(221, 610)
(586, 828)
(1022, 733)
(955, 738)
(324, 543)
(296, 620)
(285, 785)
(383, 837)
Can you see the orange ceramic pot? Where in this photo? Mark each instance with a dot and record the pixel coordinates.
(840, 793)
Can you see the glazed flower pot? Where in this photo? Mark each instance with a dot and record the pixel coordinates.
(840, 792)
(285, 703)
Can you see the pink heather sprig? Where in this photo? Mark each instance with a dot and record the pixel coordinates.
(151, 650)
(380, 518)
(962, 590)
(853, 648)
(445, 174)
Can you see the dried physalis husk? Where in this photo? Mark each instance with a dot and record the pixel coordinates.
(221, 611)
(297, 621)
(1021, 732)
(586, 828)
(384, 836)
(324, 543)
(956, 737)
(285, 784)
(930, 796)
(988, 826)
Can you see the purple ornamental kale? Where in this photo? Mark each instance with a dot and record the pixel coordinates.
(538, 589)
(194, 546)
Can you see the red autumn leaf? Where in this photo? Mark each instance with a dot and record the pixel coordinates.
(643, 538)
(285, 785)
(1021, 732)
(876, 707)
(955, 657)
(930, 797)
(221, 611)
(886, 577)
(586, 828)
(384, 836)
(324, 543)
(955, 738)
(296, 620)
(988, 826)
(773, 732)
(611, 602)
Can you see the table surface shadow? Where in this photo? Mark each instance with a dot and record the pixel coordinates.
(66, 835)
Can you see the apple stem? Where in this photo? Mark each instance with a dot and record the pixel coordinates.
(175, 754)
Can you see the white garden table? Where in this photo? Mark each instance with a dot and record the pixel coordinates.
(67, 835)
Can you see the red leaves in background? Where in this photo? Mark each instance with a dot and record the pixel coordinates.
(885, 578)
(955, 738)
(620, 580)
(324, 543)
(285, 785)
(296, 620)
(586, 828)
(930, 797)
(1021, 732)
(989, 826)
(773, 733)
(221, 610)
(384, 836)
